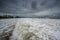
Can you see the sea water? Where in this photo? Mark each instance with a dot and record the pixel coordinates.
(36, 29)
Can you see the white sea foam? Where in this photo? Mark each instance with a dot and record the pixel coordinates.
(36, 29)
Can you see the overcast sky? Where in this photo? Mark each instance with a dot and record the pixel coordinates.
(30, 8)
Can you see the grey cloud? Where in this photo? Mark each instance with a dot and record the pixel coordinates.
(30, 8)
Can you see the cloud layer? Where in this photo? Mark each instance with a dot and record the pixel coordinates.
(30, 8)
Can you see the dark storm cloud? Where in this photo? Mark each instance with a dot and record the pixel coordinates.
(30, 8)
(7, 5)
